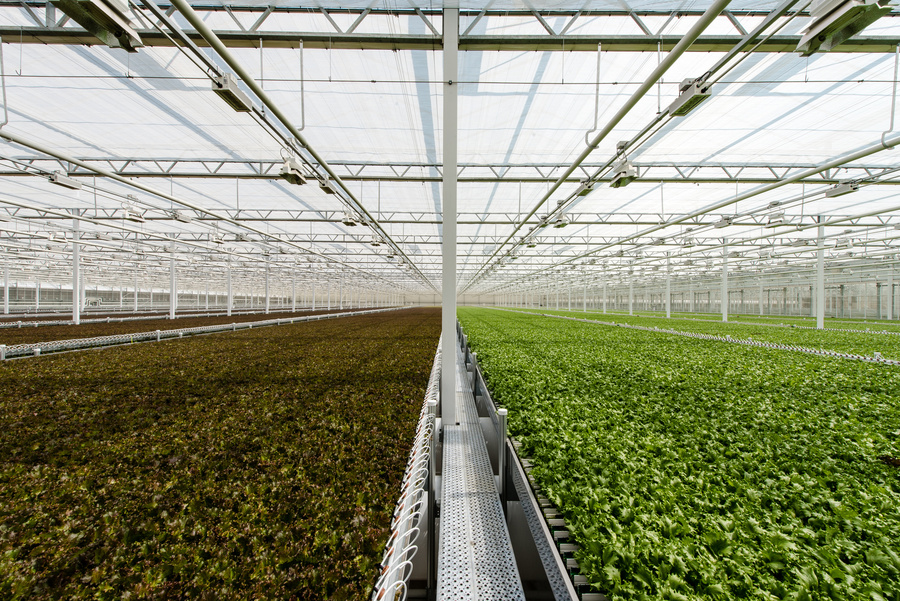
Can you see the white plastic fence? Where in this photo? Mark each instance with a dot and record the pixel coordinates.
(37, 348)
(412, 507)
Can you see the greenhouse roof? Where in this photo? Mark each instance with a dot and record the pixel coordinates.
(165, 165)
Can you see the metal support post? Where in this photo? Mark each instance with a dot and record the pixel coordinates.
(890, 298)
(293, 290)
(6, 289)
(820, 278)
(173, 291)
(448, 246)
(631, 296)
(76, 273)
(725, 279)
(604, 296)
(501, 454)
(230, 299)
(267, 287)
(135, 291)
(668, 286)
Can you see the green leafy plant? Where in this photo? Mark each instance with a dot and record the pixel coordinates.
(257, 464)
(690, 469)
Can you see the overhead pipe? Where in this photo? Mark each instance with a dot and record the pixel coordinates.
(680, 48)
(213, 40)
(37, 146)
(883, 144)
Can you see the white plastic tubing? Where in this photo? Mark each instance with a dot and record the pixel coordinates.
(412, 506)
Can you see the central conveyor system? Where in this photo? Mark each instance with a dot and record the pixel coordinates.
(475, 557)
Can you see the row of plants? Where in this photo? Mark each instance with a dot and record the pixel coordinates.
(260, 464)
(27, 335)
(689, 469)
(839, 323)
(860, 343)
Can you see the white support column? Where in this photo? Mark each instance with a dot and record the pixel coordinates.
(37, 296)
(135, 291)
(314, 296)
(604, 296)
(668, 286)
(584, 303)
(293, 288)
(761, 296)
(6, 289)
(121, 297)
(890, 294)
(820, 278)
(630, 296)
(448, 199)
(267, 287)
(173, 286)
(76, 273)
(725, 279)
(230, 300)
(341, 292)
(206, 303)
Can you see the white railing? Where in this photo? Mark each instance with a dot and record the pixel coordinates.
(412, 509)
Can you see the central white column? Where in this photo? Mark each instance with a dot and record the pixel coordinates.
(820, 279)
(135, 291)
(724, 279)
(293, 289)
(448, 200)
(37, 296)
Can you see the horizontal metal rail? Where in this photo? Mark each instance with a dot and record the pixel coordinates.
(877, 358)
(36, 349)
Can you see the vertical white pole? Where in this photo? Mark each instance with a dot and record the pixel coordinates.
(76, 274)
(448, 196)
(267, 287)
(135, 290)
(173, 291)
(668, 286)
(820, 279)
(207, 295)
(6, 289)
(584, 303)
(314, 296)
(630, 296)
(37, 296)
(230, 300)
(760, 296)
(890, 298)
(293, 289)
(604, 296)
(725, 279)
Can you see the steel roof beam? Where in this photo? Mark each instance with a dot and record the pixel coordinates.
(486, 43)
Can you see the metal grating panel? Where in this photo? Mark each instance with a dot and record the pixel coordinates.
(556, 574)
(475, 560)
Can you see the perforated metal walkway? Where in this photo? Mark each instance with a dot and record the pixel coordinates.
(475, 557)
